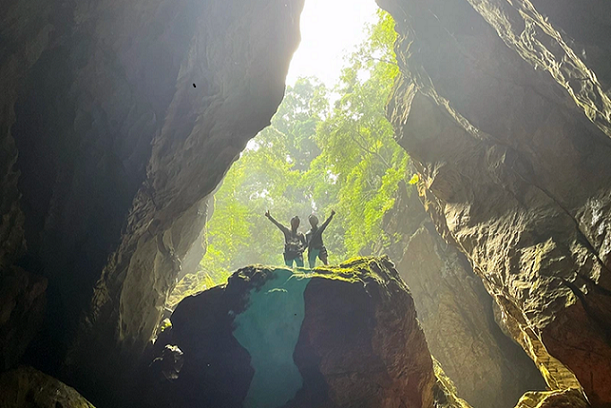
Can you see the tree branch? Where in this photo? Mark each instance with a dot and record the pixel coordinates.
(378, 155)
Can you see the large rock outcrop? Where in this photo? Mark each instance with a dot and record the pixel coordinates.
(507, 119)
(25, 387)
(117, 118)
(455, 311)
(343, 336)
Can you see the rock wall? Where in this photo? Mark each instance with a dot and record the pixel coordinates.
(455, 311)
(507, 118)
(22, 310)
(117, 119)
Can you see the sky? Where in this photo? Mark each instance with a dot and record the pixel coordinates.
(330, 29)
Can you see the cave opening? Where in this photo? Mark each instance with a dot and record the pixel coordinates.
(131, 168)
(329, 147)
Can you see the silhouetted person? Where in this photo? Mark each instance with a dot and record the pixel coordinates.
(294, 241)
(316, 248)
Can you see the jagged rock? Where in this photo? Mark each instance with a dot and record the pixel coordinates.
(570, 398)
(169, 363)
(455, 311)
(508, 126)
(446, 395)
(341, 336)
(22, 309)
(107, 152)
(26, 387)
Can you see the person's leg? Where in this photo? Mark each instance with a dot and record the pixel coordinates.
(288, 261)
(299, 261)
(312, 254)
(324, 257)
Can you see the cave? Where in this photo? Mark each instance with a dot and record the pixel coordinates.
(119, 120)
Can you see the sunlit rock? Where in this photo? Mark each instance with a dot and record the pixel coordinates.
(455, 311)
(446, 394)
(569, 398)
(508, 125)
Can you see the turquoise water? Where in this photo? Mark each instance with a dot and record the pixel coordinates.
(269, 330)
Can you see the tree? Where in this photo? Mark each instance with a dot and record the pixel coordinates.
(358, 147)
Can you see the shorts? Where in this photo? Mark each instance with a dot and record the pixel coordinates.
(290, 258)
(320, 253)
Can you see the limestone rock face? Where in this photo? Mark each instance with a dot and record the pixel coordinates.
(455, 311)
(117, 119)
(509, 127)
(446, 395)
(569, 398)
(344, 336)
(26, 387)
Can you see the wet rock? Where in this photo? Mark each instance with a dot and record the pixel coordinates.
(341, 336)
(26, 387)
(22, 309)
(508, 127)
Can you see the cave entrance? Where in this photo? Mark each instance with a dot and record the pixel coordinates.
(329, 147)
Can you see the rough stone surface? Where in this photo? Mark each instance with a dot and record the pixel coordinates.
(455, 311)
(22, 309)
(26, 387)
(117, 119)
(570, 398)
(508, 126)
(446, 394)
(343, 336)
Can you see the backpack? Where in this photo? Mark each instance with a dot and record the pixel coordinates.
(293, 245)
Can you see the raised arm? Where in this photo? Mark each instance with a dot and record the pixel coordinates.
(282, 228)
(327, 221)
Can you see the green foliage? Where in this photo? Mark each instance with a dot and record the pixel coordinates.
(358, 144)
(315, 156)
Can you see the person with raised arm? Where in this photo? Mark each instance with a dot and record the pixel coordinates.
(294, 241)
(316, 248)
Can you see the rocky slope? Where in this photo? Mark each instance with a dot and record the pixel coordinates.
(117, 118)
(507, 118)
(455, 311)
(343, 336)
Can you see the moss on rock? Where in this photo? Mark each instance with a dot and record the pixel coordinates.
(351, 329)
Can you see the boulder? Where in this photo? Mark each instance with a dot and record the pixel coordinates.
(26, 387)
(340, 336)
